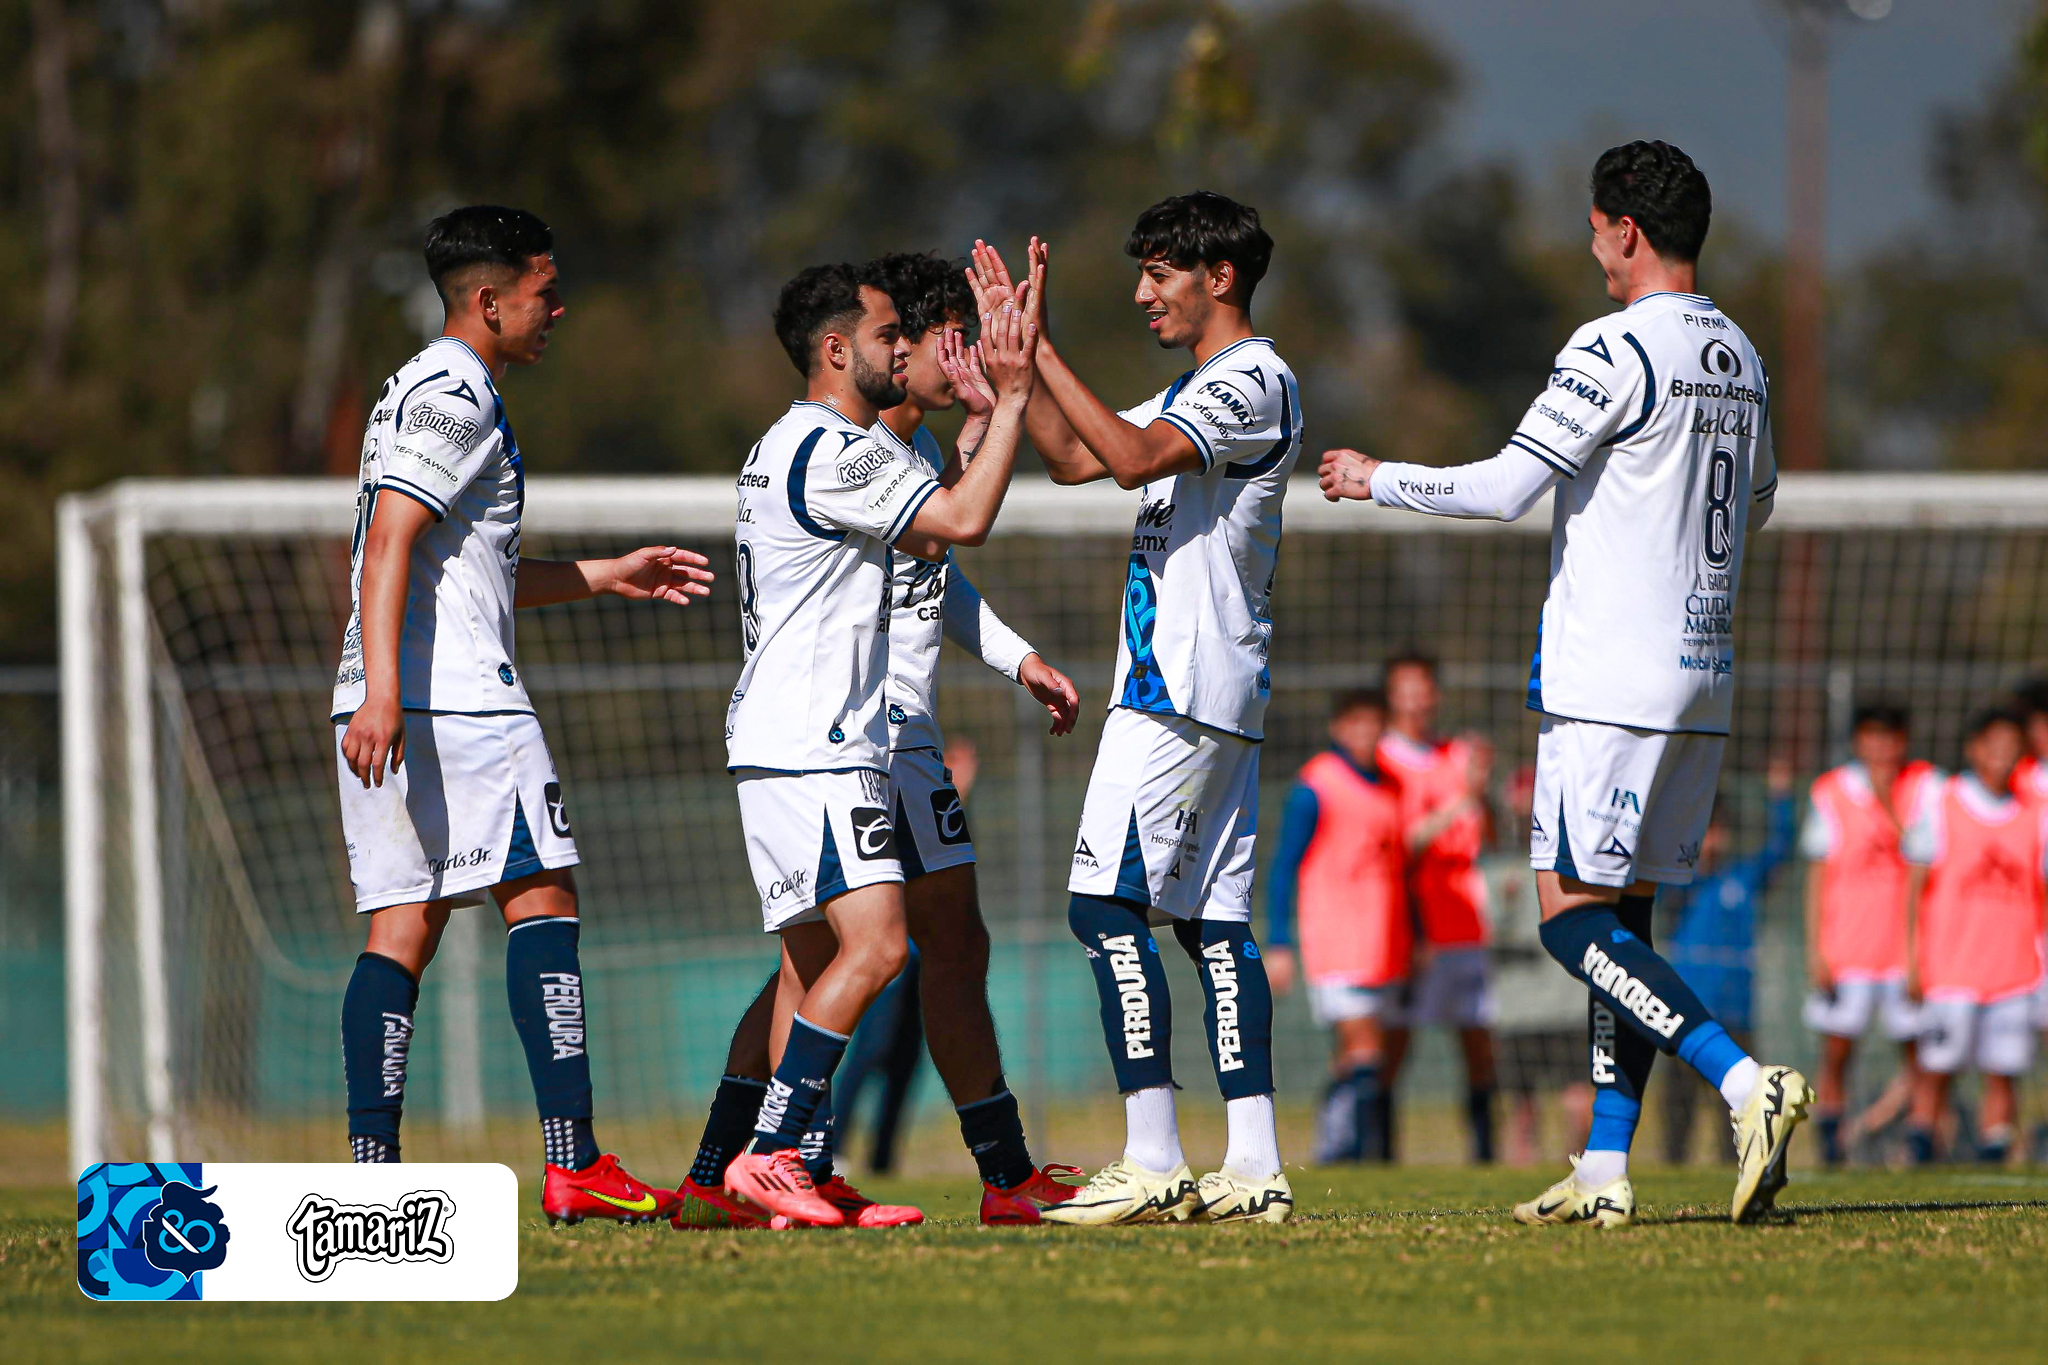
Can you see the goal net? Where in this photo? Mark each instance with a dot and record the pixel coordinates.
(210, 931)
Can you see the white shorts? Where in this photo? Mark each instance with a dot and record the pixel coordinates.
(1337, 1002)
(474, 803)
(1847, 1011)
(931, 824)
(1615, 805)
(1170, 818)
(813, 836)
(1455, 990)
(1958, 1033)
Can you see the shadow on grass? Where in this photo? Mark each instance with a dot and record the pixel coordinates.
(1793, 1213)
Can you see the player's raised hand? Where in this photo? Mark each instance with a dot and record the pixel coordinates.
(989, 278)
(1053, 689)
(1347, 474)
(374, 742)
(961, 364)
(1036, 257)
(659, 573)
(1009, 350)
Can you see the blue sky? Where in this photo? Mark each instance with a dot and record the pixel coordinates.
(1551, 82)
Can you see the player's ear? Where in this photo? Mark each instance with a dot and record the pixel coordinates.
(1222, 277)
(486, 300)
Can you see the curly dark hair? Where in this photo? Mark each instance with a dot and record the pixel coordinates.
(483, 234)
(1208, 228)
(928, 290)
(822, 298)
(1657, 185)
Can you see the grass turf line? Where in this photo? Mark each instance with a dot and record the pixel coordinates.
(1404, 1264)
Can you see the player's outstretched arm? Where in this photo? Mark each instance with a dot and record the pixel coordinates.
(656, 573)
(965, 513)
(1503, 488)
(374, 742)
(1066, 460)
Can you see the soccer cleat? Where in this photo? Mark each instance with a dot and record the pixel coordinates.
(709, 1206)
(862, 1212)
(1613, 1205)
(603, 1189)
(1225, 1198)
(1125, 1192)
(1763, 1128)
(1018, 1205)
(778, 1182)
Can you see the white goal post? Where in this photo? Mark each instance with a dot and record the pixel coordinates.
(199, 621)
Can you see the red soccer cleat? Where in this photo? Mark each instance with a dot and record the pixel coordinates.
(778, 1182)
(863, 1212)
(603, 1189)
(709, 1206)
(1020, 1204)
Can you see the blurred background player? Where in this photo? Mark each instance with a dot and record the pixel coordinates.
(1341, 871)
(1974, 909)
(1442, 784)
(1856, 880)
(2031, 779)
(1712, 942)
(824, 506)
(1170, 822)
(1653, 432)
(447, 786)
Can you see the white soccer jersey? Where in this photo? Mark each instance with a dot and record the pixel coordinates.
(438, 435)
(1658, 418)
(820, 502)
(929, 602)
(1196, 594)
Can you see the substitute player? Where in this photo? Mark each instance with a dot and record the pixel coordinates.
(1443, 793)
(1342, 870)
(447, 787)
(1975, 906)
(941, 903)
(1653, 431)
(823, 506)
(1171, 815)
(1856, 915)
(2031, 779)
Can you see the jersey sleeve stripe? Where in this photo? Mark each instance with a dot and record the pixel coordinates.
(1252, 469)
(1530, 445)
(1766, 491)
(909, 512)
(1201, 443)
(1649, 391)
(416, 493)
(799, 470)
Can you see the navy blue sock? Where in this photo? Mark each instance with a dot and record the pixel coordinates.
(994, 1132)
(1646, 996)
(1479, 1115)
(1830, 1126)
(815, 1147)
(1920, 1145)
(1368, 1141)
(544, 985)
(1622, 1058)
(727, 1129)
(1137, 1012)
(1237, 1004)
(376, 1036)
(798, 1086)
(1381, 1143)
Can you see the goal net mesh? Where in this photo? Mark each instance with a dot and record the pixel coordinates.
(225, 933)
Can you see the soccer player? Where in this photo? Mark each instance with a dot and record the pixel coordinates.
(941, 902)
(447, 787)
(1342, 869)
(1713, 943)
(1653, 431)
(1974, 909)
(824, 506)
(1443, 793)
(1171, 814)
(2031, 779)
(1856, 915)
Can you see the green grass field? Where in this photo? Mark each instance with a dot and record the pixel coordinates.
(1402, 1264)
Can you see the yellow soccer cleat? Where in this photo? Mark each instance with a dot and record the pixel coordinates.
(1225, 1198)
(1763, 1128)
(1613, 1205)
(1125, 1192)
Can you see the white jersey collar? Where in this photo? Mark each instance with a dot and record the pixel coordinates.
(1985, 804)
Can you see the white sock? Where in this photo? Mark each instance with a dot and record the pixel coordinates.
(1739, 1083)
(1154, 1129)
(1254, 1151)
(1599, 1168)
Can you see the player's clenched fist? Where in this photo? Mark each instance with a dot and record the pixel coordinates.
(1347, 474)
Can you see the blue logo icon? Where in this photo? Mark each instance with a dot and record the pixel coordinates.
(185, 1233)
(1621, 936)
(1251, 951)
(127, 1211)
(837, 735)
(505, 675)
